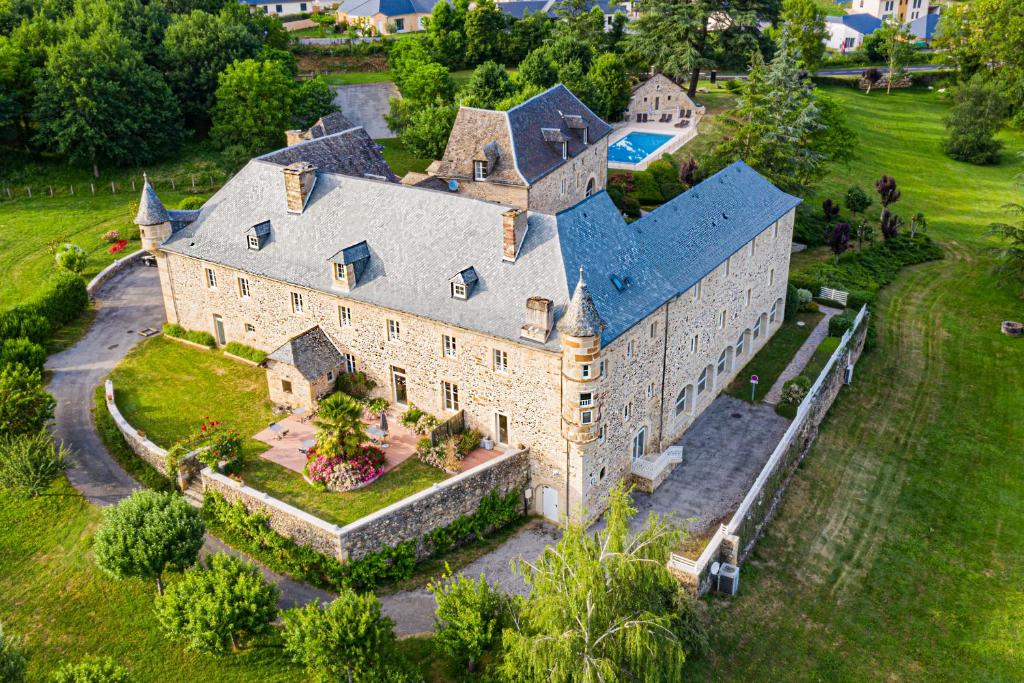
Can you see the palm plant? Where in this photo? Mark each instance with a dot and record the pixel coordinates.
(340, 429)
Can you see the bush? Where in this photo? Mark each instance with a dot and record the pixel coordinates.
(809, 226)
(224, 605)
(795, 390)
(30, 462)
(24, 322)
(200, 337)
(23, 351)
(468, 617)
(691, 623)
(869, 269)
(25, 407)
(645, 189)
(12, 658)
(411, 416)
(348, 639)
(630, 206)
(243, 351)
(468, 441)
(111, 236)
(839, 324)
(174, 330)
(146, 534)
(192, 202)
(92, 670)
(71, 257)
(792, 301)
(355, 384)
(805, 297)
(63, 299)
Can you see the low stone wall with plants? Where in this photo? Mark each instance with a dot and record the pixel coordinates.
(136, 439)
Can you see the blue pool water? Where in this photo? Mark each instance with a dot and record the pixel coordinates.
(636, 147)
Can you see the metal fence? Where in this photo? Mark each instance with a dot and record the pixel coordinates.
(456, 424)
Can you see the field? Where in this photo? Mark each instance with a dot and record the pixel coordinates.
(895, 554)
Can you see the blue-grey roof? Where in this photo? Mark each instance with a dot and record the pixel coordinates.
(261, 229)
(518, 9)
(670, 249)
(924, 27)
(865, 24)
(389, 8)
(151, 209)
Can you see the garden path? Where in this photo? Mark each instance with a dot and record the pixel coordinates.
(803, 356)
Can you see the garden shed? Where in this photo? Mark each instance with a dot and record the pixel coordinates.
(302, 370)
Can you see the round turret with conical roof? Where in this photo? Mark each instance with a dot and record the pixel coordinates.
(580, 337)
(152, 218)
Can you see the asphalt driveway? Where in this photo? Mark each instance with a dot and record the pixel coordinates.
(366, 104)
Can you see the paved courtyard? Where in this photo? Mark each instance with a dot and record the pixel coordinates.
(366, 104)
(723, 452)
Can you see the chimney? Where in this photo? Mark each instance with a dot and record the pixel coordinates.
(513, 228)
(540, 318)
(294, 137)
(299, 179)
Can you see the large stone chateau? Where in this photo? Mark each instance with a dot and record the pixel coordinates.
(503, 283)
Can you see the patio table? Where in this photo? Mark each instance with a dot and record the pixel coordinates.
(378, 435)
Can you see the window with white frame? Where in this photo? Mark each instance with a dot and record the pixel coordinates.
(450, 394)
(479, 170)
(627, 410)
(211, 278)
(243, 287)
(630, 348)
(683, 400)
(753, 246)
(394, 330)
(350, 363)
(585, 371)
(640, 443)
(650, 391)
(586, 417)
(448, 346)
(728, 266)
(254, 242)
(747, 297)
(344, 316)
(500, 361)
(654, 329)
(459, 290)
(694, 343)
(775, 226)
(564, 184)
(757, 328)
(297, 302)
(696, 291)
(774, 313)
(739, 343)
(723, 362)
(586, 399)
(339, 271)
(330, 375)
(702, 382)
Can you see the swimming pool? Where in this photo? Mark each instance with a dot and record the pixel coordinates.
(636, 146)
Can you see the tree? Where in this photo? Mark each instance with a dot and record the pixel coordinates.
(918, 222)
(426, 134)
(196, 48)
(807, 24)
(890, 224)
(146, 534)
(609, 87)
(526, 35)
(600, 607)
(445, 36)
(429, 83)
(25, 407)
(123, 111)
(887, 191)
(829, 209)
(488, 85)
(340, 427)
(839, 239)
(538, 69)
(485, 33)
(978, 111)
(1010, 254)
(253, 106)
(13, 662)
(777, 119)
(349, 637)
(92, 670)
(857, 203)
(224, 605)
(468, 617)
(311, 99)
(833, 140)
(896, 43)
(29, 463)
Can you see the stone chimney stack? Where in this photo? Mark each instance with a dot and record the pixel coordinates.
(294, 137)
(540, 318)
(513, 228)
(299, 179)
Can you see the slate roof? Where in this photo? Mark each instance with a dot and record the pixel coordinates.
(519, 8)
(151, 209)
(924, 27)
(389, 8)
(312, 353)
(864, 24)
(350, 152)
(335, 122)
(581, 318)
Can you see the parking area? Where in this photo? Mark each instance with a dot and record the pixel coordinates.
(723, 452)
(366, 104)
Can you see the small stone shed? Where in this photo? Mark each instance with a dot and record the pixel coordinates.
(658, 96)
(302, 370)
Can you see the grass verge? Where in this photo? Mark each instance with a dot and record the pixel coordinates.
(140, 470)
(773, 357)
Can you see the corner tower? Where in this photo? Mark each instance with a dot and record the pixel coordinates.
(153, 220)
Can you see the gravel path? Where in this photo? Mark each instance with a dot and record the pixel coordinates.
(803, 356)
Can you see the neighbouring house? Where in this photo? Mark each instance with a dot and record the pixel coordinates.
(901, 10)
(924, 27)
(517, 9)
(548, 321)
(658, 97)
(847, 32)
(387, 16)
(284, 8)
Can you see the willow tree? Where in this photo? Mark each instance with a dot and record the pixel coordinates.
(601, 607)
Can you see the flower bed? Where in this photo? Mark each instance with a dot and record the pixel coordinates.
(345, 472)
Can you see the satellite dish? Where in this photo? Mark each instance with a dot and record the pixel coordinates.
(453, 185)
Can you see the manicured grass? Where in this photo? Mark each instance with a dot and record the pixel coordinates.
(167, 389)
(894, 553)
(341, 508)
(773, 358)
(356, 77)
(139, 469)
(821, 355)
(401, 159)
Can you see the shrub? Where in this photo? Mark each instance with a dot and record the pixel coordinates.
(804, 296)
(344, 640)
(426, 424)
(224, 605)
(839, 324)
(192, 202)
(646, 190)
(377, 406)
(691, 624)
(30, 462)
(355, 384)
(12, 658)
(200, 337)
(71, 257)
(92, 670)
(174, 330)
(870, 269)
(979, 108)
(346, 472)
(25, 407)
(23, 351)
(243, 351)
(630, 206)
(411, 416)
(146, 534)
(795, 390)
(809, 226)
(24, 322)
(792, 301)
(63, 299)
(468, 617)
(469, 440)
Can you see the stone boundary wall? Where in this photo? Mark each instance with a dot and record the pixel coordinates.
(734, 541)
(143, 447)
(104, 276)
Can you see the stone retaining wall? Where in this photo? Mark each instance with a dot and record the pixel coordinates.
(143, 447)
(104, 276)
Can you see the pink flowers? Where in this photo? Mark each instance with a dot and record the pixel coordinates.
(343, 474)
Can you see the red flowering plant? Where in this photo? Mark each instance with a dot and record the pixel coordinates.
(221, 448)
(118, 246)
(345, 472)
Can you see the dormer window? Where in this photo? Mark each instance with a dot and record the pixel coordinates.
(348, 265)
(339, 271)
(254, 242)
(458, 290)
(479, 170)
(462, 284)
(256, 236)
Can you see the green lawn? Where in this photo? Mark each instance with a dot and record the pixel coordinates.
(895, 553)
(356, 77)
(401, 159)
(821, 355)
(167, 389)
(773, 358)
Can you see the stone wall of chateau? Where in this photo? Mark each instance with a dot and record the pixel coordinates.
(546, 194)
(512, 195)
(528, 393)
(419, 514)
(648, 365)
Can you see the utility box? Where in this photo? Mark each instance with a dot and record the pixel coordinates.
(728, 579)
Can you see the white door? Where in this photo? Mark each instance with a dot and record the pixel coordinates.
(550, 502)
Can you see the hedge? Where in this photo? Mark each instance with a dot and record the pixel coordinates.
(24, 351)
(194, 336)
(839, 324)
(243, 351)
(61, 301)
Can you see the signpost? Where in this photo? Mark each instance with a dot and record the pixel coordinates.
(753, 387)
